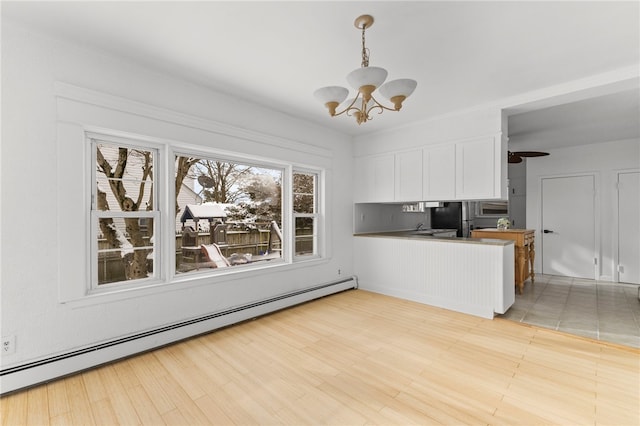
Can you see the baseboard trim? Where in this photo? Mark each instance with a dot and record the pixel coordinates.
(39, 371)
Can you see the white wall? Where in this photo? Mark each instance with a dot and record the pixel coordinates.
(518, 194)
(603, 160)
(36, 225)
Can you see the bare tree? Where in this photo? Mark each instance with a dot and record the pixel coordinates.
(183, 169)
(303, 193)
(225, 180)
(136, 262)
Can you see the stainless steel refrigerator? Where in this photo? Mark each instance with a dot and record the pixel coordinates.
(454, 215)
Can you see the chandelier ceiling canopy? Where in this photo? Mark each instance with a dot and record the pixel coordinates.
(366, 80)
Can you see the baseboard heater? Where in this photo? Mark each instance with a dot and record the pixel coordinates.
(43, 370)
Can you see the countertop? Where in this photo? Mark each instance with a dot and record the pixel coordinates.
(410, 235)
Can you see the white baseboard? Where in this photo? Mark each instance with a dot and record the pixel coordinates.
(63, 364)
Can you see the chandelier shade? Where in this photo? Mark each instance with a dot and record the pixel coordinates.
(331, 94)
(367, 76)
(398, 90)
(401, 87)
(365, 80)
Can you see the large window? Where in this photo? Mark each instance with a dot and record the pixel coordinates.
(124, 212)
(228, 213)
(224, 213)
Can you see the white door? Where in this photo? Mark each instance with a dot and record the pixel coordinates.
(568, 226)
(629, 227)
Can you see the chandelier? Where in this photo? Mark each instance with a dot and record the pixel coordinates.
(366, 80)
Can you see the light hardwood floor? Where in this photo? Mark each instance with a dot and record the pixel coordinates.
(353, 358)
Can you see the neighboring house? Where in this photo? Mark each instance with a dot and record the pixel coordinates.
(186, 196)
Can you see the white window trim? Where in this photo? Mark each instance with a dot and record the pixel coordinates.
(319, 236)
(83, 112)
(164, 217)
(182, 150)
(92, 139)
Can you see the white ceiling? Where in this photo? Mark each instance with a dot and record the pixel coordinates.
(603, 118)
(277, 53)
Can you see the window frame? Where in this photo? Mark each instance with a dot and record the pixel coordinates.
(252, 161)
(164, 214)
(317, 215)
(93, 139)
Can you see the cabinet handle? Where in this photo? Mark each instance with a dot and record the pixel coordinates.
(547, 231)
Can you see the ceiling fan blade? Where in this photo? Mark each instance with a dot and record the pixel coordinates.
(512, 157)
(530, 153)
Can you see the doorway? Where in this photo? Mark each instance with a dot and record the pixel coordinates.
(629, 227)
(568, 226)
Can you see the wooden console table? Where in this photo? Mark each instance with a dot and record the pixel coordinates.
(525, 253)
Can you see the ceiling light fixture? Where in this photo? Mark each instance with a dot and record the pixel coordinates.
(366, 80)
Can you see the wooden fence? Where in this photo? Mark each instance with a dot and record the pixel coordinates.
(252, 241)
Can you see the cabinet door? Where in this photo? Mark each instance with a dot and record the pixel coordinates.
(476, 169)
(374, 179)
(439, 173)
(408, 176)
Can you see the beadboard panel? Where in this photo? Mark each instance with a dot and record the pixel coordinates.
(476, 279)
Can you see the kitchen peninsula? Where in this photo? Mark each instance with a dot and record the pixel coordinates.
(469, 275)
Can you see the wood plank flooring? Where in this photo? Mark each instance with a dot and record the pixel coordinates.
(354, 358)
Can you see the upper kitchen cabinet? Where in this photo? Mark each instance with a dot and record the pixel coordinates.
(481, 169)
(473, 169)
(374, 179)
(390, 177)
(408, 176)
(439, 173)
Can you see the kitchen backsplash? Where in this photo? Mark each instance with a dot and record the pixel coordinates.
(375, 217)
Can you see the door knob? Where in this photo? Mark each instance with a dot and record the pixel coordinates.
(547, 231)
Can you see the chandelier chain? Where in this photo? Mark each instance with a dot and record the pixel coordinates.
(365, 51)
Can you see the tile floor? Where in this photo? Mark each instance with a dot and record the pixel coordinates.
(600, 310)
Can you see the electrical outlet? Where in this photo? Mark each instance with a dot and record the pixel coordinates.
(8, 345)
(339, 272)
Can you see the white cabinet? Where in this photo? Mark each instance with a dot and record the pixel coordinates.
(374, 179)
(439, 173)
(480, 172)
(466, 170)
(408, 176)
